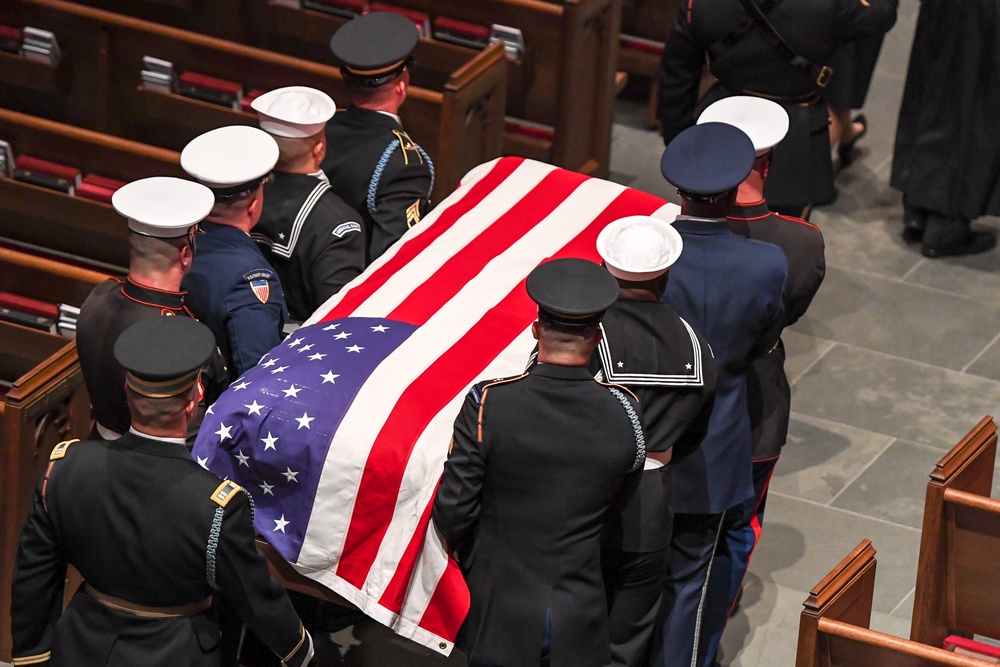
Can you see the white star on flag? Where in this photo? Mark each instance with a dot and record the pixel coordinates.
(330, 377)
(341, 336)
(209, 411)
(279, 369)
(380, 328)
(269, 442)
(243, 458)
(354, 348)
(316, 357)
(266, 488)
(290, 475)
(331, 327)
(241, 385)
(270, 362)
(254, 408)
(292, 391)
(304, 420)
(203, 462)
(306, 348)
(279, 524)
(295, 342)
(223, 432)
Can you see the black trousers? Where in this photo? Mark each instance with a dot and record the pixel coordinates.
(633, 583)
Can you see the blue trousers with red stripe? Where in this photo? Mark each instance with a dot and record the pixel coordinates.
(741, 536)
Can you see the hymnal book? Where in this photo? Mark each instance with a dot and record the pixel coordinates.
(461, 33)
(10, 39)
(6, 160)
(633, 43)
(512, 38)
(529, 129)
(94, 192)
(104, 182)
(40, 45)
(972, 648)
(27, 319)
(421, 20)
(249, 97)
(158, 75)
(71, 174)
(211, 89)
(347, 9)
(44, 180)
(28, 305)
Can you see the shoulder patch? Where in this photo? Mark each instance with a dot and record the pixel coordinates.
(258, 279)
(225, 492)
(477, 396)
(346, 228)
(258, 274)
(59, 450)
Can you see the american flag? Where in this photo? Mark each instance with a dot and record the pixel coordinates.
(340, 433)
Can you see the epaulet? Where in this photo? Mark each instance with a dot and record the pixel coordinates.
(599, 380)
(59, 450)
(225, 492)
(408, 147)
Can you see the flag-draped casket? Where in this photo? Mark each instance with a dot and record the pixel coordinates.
(340, 433)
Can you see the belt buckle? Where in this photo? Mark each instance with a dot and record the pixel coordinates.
(824, 76)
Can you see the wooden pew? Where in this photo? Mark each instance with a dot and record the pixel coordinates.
(833, 627)
(565, 82)
(96, 85)
(45, 404)
(46, 279)
(958, 568)
(73, 225)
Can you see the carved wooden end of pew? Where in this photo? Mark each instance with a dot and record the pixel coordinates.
(959, 565)
(46, 404)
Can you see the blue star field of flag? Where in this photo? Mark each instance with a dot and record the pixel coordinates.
(270, 432)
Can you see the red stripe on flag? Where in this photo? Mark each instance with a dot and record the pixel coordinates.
(449, 604)
(430, 393)
(401, 577)
(428, 298)
(407, 251)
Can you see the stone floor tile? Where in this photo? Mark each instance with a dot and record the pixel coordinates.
(890, 488)
(905, 609)
(901, 319)
(977, 276)
(802, 351)
(888, 395)
(802, 541)
(637, 153)
(822, 457)
(764, 631)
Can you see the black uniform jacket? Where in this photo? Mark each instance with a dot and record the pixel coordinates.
(536, 462)
(112, 307)
(312, 239)
(801, 170)
(376, 168)
(768, 393)
(237, 294)
(663, 361)
(136, 517)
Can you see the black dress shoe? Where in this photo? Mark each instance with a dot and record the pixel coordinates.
(952, 237)
(914, 222)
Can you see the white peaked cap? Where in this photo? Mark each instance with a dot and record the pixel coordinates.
(230, 156)
(163, 206)
(764, 121)
(639, 247)
(295, 111)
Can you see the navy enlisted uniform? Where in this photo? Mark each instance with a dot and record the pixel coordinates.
(728, 288)
(648, 348)
(231, 287)
(162, 208)
(372, 164)
(154, 535)
(313, 239)
(536, 462)
(746, 60)
(768, 393)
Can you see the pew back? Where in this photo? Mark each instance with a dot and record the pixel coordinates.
(46, 279)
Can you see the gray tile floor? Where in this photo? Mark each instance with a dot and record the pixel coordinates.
(898, 357)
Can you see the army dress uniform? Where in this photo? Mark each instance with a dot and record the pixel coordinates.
(372, 163)
(231, 287)
(746, 63)
(160, 207)
(153, 534)
(536, 462)
(660, 358)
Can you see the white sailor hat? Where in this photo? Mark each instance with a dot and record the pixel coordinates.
(294, 111)
(764, 121)
(163, 206)
(639, 247)
(231, 160)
